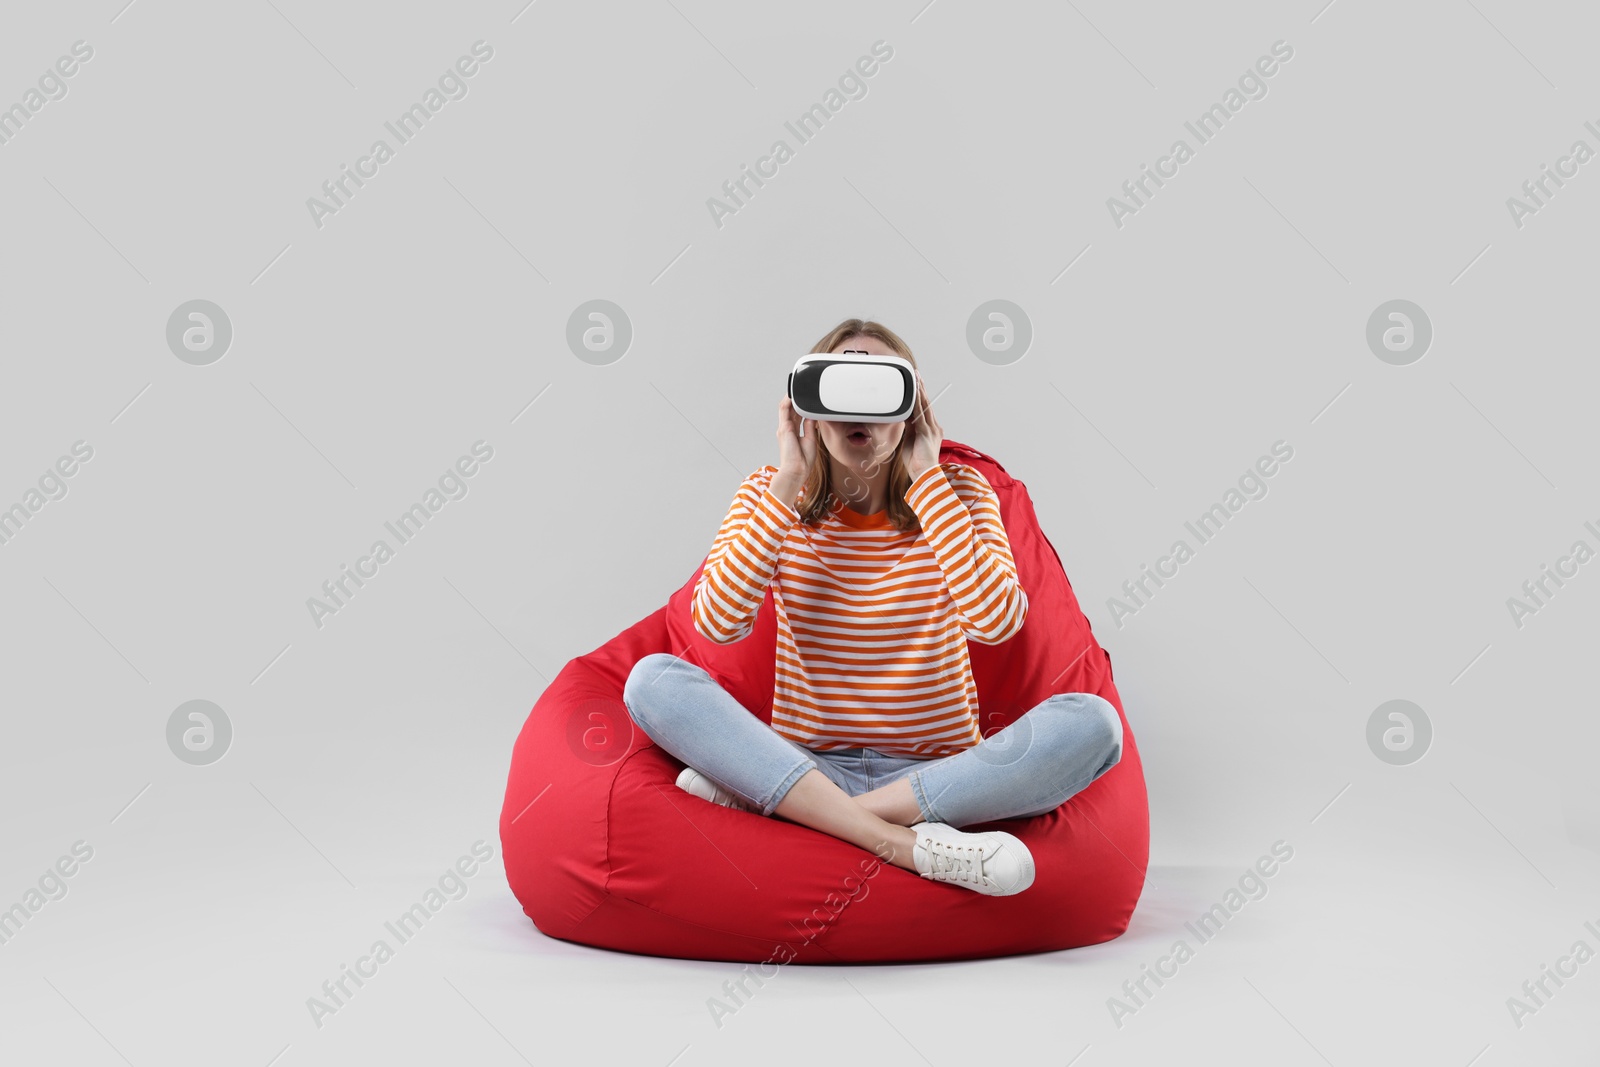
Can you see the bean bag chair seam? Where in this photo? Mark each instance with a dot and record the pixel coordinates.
(611, 791)
(623, 899)
(605, 887)
(741, 935)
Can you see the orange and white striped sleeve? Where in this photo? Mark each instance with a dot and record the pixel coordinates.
(960, 516)
(742, 560)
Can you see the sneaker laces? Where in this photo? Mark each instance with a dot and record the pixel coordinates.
(950, 862)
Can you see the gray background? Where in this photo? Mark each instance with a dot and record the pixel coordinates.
(428, 314)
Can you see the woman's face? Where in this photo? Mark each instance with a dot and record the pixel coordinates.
(863, 447)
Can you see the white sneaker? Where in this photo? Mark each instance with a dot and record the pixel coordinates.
(993, 863)
(692, 781)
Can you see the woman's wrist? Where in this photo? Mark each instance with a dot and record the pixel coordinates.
(786, 488)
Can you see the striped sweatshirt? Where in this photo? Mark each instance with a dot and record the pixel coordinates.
(873, 622)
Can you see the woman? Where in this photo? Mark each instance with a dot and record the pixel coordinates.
(883, 563)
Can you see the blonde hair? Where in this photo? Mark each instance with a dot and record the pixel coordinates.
(816, 500)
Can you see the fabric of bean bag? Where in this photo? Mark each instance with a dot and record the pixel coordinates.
(602, 849)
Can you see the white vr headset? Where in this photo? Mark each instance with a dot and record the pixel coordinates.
(852, 386)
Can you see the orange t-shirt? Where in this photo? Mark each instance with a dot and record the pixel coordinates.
(873, 622)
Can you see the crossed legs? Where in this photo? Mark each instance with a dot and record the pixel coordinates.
(1030, 767)
(815, 801)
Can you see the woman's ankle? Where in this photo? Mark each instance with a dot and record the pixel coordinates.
(897, 848)
(894, 803)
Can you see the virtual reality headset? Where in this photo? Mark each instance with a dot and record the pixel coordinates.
(852, 386)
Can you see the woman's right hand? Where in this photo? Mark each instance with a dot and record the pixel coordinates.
(797, 448)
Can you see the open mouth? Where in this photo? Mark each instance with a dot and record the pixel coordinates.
(859, 437)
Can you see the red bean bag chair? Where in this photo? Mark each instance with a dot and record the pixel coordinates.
(602, 848)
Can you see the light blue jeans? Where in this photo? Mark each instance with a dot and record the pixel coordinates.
(1049, 754)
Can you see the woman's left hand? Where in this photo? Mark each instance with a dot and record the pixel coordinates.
(927, 434)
